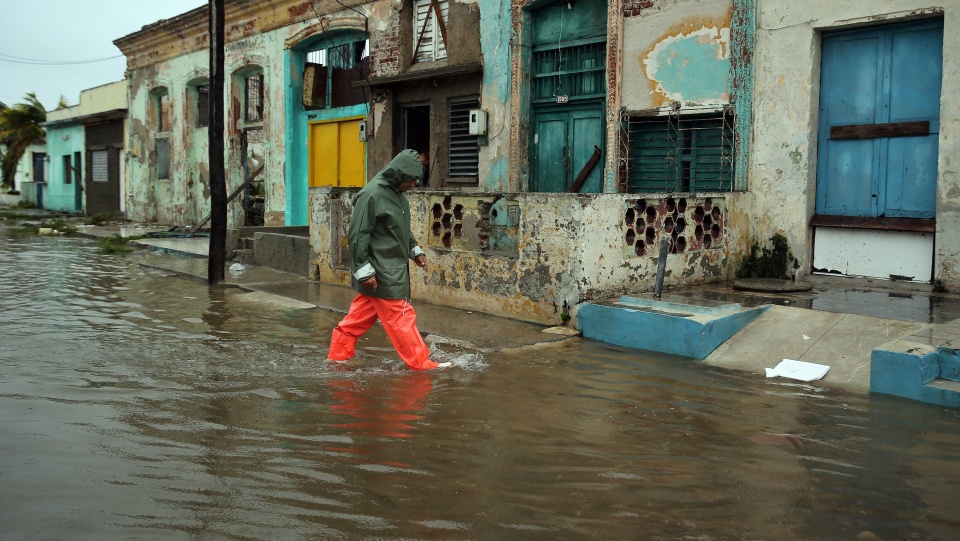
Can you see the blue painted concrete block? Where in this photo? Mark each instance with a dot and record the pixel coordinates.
(902, 373)
(660, 331)
(949, 364)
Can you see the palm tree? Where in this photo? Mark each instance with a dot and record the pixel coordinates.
(19, 128)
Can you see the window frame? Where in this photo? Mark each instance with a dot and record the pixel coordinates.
(427, 28)
(253, 110)
(320, 74)
(687, 144)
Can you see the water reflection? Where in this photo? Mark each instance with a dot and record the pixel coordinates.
(135, 405)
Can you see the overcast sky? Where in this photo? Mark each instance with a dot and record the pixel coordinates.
(46, 45)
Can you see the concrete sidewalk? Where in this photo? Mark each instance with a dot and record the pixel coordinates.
(188, 257)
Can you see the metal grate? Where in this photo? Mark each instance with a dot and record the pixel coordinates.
(680, 153)
(163, 158)
(254, 91)
(203, 106)
(464, 148)
(571, 72)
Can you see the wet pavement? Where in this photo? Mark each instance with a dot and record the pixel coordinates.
(136, 404)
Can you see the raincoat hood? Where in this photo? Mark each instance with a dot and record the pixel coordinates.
(404, 167)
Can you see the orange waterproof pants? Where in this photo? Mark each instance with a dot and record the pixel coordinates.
(400, 322)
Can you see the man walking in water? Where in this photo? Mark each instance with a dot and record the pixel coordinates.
(382, 244)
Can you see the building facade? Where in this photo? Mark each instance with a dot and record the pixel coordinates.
(85, 146)
(571, 142)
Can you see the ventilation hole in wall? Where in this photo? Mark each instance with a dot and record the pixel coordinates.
(715, 231)
(437, 229)
(641, 205)
(668, 225)
(458, 212)
(681, 244)
(707, 241)
(631, 237)
(698, 214)
(437, 211)
(651, 215)
(640, 223)
(630, 217)
(447, 242)
(681, 224)
(698, 233)
(458, 230)
(708, 202)
(707, 221)
(651, 235)
(671, 205)
(447, 221)
(715, 212)
(640, 248)
(447, 202)
(682, 206)
(493, 213)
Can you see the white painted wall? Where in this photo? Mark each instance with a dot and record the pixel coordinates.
(786, 101)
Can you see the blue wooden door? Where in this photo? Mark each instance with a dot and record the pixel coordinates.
(880, 120)
(563, 143)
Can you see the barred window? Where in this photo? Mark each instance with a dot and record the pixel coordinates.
(681, 153)
(203, 105)
(163, 159)
(574, 72)
(464, 148)
(254, 95)
(99, 160)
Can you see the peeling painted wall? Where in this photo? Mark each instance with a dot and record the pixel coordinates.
(543, 254)
(786, 102)
(677, 51)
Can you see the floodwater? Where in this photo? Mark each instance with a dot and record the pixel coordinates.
(135, 405)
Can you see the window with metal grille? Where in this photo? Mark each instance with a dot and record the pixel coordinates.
(99, 161)
(329, 74)
(254, 94)
(203, 105)
(681, 153)
(67, 170)
(429, 30)
(464, 148)
(163, 159)
(574, 72)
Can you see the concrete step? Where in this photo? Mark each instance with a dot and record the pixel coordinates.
(243, 255)
(246, 243)
(946, 385)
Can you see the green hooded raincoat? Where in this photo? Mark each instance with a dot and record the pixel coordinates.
(380, 238)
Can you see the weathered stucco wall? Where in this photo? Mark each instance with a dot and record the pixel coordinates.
(535, 256)
(677, 51)
(62, 140)
(786, 102)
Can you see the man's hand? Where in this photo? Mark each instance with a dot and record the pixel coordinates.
(370, 282)
(421, 261)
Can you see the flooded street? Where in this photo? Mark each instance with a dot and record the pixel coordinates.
(137, 405)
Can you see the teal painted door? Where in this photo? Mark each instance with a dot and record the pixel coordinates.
(563, 143)
(880, 121)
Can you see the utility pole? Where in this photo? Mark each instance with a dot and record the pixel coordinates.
(218, 185)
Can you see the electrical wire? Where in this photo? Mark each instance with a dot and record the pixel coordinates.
(36, 62)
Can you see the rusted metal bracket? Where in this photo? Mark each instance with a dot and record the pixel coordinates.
(585, 172)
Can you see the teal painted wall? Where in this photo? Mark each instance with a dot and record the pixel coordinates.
(299, 119)
(62, 141)
(495, 38)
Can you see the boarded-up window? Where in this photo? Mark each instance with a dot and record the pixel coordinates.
(429, 30)
(163, 112)
(99, 161)
(163, 158)
(464, 148)
(330, 73)
(678, 153)
(254, 95)
(203, 106)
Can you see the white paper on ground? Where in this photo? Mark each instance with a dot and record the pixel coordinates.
(803, 371)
